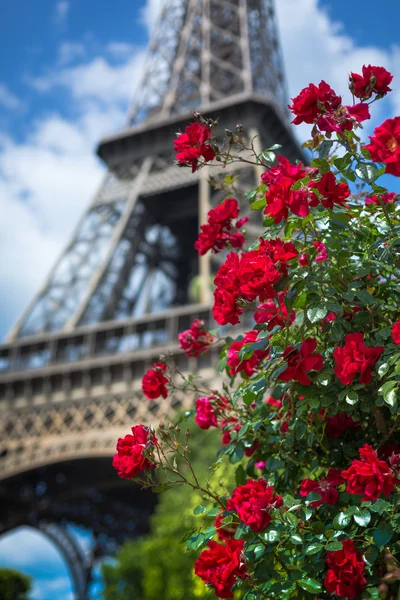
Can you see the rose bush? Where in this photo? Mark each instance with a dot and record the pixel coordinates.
(309, 407)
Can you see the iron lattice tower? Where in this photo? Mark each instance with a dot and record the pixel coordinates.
(71, 368)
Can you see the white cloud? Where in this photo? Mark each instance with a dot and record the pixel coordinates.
(61, 11)
(96, 80)
(150, 12)
(70, 51)
(35, 549)
(8, 99)
(120, 50)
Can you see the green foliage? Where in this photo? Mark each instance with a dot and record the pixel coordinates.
(14, 585)
(157, 565)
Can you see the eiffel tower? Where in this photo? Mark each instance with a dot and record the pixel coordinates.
(71, 367)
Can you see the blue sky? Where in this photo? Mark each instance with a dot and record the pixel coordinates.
(67, 77)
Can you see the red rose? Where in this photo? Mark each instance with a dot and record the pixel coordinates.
(301, 361)
(314, 101)
(303, 260)
(129, 460)
(253, 502)
(274, 315)
(322, 254)
(191, 145)
(384, 146)
(374, 80)
(326, 487)
(245, 365)
(225, 212)
(284, 168)
(206, 416)
(226, 426)
(196, 340)
(281, 198)
(369, 477)
(355, 357)
(257, 275)
(225, 309)
(220, 565)
(224, 532)
(345, 575)
(396, 332)
(385, 198)
(154, 382)
(219, 231)
(279, 252)
(338, 424)
(332, 192)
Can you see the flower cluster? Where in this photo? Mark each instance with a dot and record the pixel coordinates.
(321, 106)
(250, 276)
(154, 382)
(219, 232)
(130, 459)
(196, 340)
(193, 145)
(307, 397)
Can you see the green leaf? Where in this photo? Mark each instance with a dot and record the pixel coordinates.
(316, 314)
(195, 541)
(383, 369)
(258, 204)
(310, 585)
(271, 536)
(213, 512)
(325, 148)
(371, 555)
(362, 518)
(352, 398)
(296, 539)
(313, 549)
(252, 195)
(367, 172)
(343, 162)
(382, 535)
(365, 297)
(341, 520)
(322, 165)
(237, 454)
(199, 510)
(333, 546)
(291, 518)
(389, 392)
(268, 157)
(240, 475)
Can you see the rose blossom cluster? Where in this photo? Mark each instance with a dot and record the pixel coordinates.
(250, 276)
(219, 232)
(322, 107)
(196, 340)
(193, 145)
(321, 366)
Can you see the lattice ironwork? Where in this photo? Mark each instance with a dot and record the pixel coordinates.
(206, 50)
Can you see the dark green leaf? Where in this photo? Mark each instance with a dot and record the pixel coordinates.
(296, 539)
(199, 510)
(341, 520)
(382, 535)
(367, 172)
(310, 585)
(333, 546)
(362, 518)
(316, 314)
(313, 548)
